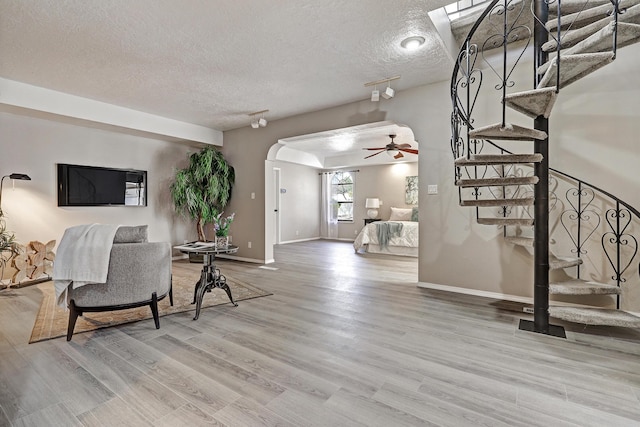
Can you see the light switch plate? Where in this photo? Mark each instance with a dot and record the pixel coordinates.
(432, 189)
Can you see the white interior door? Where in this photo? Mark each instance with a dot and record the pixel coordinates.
(276, 204)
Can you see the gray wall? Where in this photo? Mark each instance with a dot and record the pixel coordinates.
(592, 142)
(34, 146)
(594, 128)
(387, 183)
(300, 205)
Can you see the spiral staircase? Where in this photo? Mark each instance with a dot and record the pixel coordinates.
(515, 190)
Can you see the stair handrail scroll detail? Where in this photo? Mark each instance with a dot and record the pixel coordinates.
(586, 216)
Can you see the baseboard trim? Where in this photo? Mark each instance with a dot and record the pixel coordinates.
(475, 292)
(498, 295)
(300, 240)
(179, 257)
(341, 239)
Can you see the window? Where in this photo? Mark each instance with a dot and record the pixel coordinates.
(342, 195)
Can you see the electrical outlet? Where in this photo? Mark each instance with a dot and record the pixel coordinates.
(297, 233)
(528, 310)
(432, 189)
(249, 245)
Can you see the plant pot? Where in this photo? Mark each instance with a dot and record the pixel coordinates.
(222, 241)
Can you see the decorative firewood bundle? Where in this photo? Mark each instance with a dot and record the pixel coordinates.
(34, 260)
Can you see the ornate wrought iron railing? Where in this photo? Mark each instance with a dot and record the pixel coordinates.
(585, 220)
(603, 230)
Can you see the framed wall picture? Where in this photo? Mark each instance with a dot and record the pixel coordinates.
(411, 190)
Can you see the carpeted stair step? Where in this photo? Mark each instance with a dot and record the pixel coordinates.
(508, 132)
(582, 287)
(574, 67)
(497, 159)
(488, 203)
(520, 241)
(573, 6)
(601, 41)
(571, 37)
(596, 316)
(584, 17)
(533, 103)
(497, 182)
(558, 263)
(506, 221)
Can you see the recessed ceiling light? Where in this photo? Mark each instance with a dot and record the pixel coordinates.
(412, 43)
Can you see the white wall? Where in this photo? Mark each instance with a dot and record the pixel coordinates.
(300, 204)
(34, 146)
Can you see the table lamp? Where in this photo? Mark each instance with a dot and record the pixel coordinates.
(372, 205)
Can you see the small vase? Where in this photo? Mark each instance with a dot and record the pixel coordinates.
(222, 241)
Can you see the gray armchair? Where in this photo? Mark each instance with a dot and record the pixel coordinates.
(139, 274)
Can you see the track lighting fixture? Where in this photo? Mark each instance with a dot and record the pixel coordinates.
(375, 95)
(388, 93)
(258, 122)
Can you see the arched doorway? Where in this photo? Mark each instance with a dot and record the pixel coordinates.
(292, 199)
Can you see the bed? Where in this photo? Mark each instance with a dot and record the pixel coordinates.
(404, 242)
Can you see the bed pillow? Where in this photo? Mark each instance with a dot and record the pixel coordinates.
(131, 234)
(414, 214)
(400, 214)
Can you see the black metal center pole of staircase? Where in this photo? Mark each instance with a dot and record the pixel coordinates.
(541, 208)
(540, 322)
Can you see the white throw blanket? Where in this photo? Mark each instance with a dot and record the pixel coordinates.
(82, 257)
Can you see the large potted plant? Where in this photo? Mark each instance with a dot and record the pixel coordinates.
(203, 189)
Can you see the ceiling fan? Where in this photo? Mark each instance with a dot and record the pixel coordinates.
(393, 149)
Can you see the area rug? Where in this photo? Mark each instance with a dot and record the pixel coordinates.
(51, 321)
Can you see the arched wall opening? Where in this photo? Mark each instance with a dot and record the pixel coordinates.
(294, 168)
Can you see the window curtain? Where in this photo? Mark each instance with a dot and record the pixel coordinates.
(328, 215)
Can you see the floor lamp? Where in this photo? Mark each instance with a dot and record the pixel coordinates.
(20, 176)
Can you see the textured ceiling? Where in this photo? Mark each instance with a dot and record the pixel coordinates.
(212, 62)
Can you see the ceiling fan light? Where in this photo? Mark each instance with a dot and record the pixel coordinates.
(375, 95)
(392, 153)
(388, 93)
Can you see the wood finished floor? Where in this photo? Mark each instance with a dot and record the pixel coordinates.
(345, 340)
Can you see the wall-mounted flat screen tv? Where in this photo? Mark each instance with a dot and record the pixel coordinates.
(97, 186)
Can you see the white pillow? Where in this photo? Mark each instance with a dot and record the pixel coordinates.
(400, 214)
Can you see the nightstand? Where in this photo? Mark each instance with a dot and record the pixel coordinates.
(370, 220)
